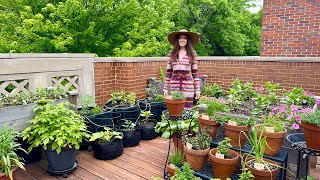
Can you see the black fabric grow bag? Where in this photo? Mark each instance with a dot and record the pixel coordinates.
(147, 131)
(125, 112)
(131, 138)
(63, 161)
(108, 150)
(156, 108)
(97, 122)
(33, 156)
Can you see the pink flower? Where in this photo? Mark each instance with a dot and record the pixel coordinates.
(297, 118)
(295, 126)
(306, 110)
(290, 116)
(282, 108)
(222, 100)
(261, 89)
(275, 108)
(304, 101)
(204, 98)
(318, 101)
(272, 114)
(294, 107)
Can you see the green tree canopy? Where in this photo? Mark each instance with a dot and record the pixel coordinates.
(127, 27)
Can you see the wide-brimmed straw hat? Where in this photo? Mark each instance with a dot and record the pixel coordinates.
(194, 37)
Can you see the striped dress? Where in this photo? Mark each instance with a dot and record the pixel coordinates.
(180, 75)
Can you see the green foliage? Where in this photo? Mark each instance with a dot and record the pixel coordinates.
(213, 105)
(163, 72)
(87, 101)
(128, 125)
(240, 121)
(312, 118)
(213, 90)
(166, 126)
(224, 146)
(246, 174)
(258, 143)
(241, 92)
(8, 147)
(55, 125)
(159, 98)
(177, 95)
(122, 98)
(276, 121)
(146, 115)
(185, 174)
(89, 107)
(299, 97)
(105, 136)
(200, 141)
(176, 158)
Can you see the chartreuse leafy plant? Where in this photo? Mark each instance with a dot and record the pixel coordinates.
(121, 98)
(246, 174)
(8, 148)
(88, 106)
(224, 146)
(128, 125)
(56, 125)
(185, 173)
(108, 135)
(213, 90)
(176, 158)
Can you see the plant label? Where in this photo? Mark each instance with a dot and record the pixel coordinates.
(258, 166)
(169, 97)
(232, 123)
(189, 146)
(172, 165)
(220, 156)
(270, 129)
(204, 116)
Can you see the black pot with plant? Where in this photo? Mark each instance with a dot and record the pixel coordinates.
(147, 126)
(131, 133)
(60, 131)
(107, 144)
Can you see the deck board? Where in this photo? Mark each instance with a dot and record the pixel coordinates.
(141, 162)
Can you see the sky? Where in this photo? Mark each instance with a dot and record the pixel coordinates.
(259, 4)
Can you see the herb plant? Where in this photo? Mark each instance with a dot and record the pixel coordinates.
(8, 147)
(312, 118)
(224, 146)
(105, 136)
(185, 174)
(159, 98)
(200, 141)
(55, 125)
(241, 92)
(213, 90)
(177, 95)
(246, 174)
(176, 158)
(213, 105)
(146, 115)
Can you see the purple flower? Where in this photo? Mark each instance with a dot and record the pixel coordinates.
(318, 101)
(297, 118)
(261, 89)
(282, 108)
(294, 107)
(290, 116)
(304, 101)
(295, 126)
(222, 100)
(275, 108)
(306, 110)
(272, 114)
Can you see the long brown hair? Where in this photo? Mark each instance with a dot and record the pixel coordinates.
(175, 51)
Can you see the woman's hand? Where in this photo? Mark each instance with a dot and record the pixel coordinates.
(165, 94)
(197, 96)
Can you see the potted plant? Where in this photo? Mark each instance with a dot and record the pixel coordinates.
(246, 174)
(131, 133)
(196, 149)
(175, 103)
(185, 173)
(223, 160)
(176, 159)
(107, 144)
(274, 131)
(233, 128)
(175, 129)
(88, 106)
(147, 126)
(260, 167)
(60, 131)
(9, 160)
(311, 127)
(208, 120)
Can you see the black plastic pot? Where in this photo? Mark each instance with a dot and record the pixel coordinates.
(108, 150)
(148, 132)
(33, 156)
(65, 160)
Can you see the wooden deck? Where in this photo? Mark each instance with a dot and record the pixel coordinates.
(141, 162)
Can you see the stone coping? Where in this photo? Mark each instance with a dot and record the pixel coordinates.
(211, 58)
(44, 55)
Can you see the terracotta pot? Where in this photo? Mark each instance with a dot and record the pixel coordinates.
(262, 175)
(233, 132)
(180, 143)
(223, 168)
(170, 170)
(211, 125)
(196, 158)
(274, 142)
(175, 107)
(311, 135)
(4, 177)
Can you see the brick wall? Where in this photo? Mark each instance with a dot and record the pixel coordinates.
(291, 28)
(131, 74)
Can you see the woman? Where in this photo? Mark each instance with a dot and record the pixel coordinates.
(182, 68)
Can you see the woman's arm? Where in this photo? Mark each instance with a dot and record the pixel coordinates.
(168, 75)
(196, 76)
